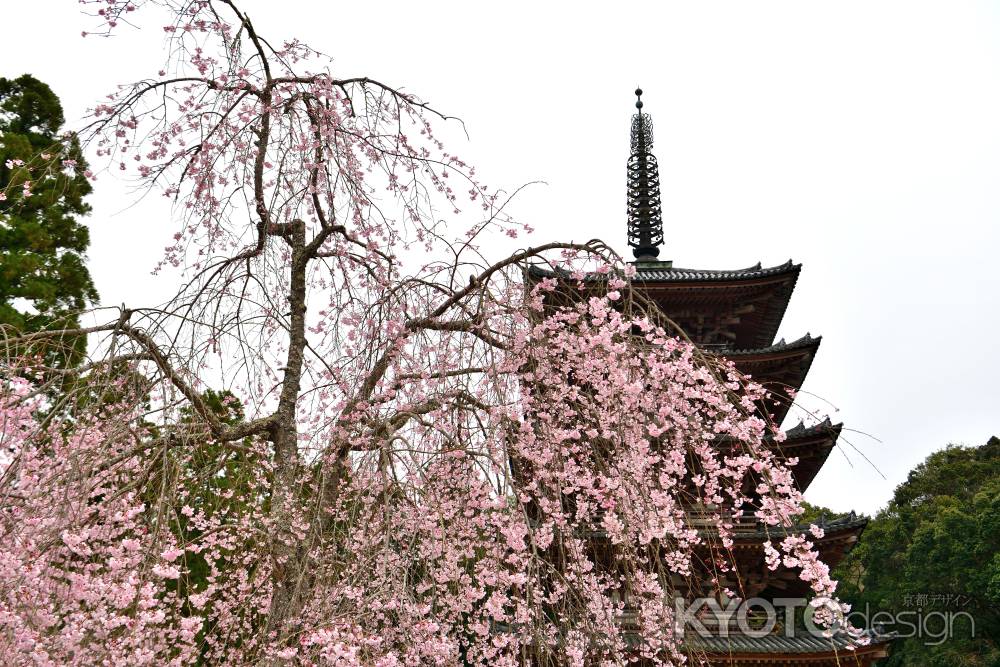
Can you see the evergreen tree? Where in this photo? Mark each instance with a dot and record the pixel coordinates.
(935, 550)
(44, 281)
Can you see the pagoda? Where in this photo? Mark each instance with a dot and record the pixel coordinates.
(735, 314)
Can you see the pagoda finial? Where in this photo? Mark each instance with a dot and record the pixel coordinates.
(645, 224)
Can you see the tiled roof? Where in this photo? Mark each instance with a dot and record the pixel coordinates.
(802, 642)
(825, 427)
(781, 346)
(775, 366)
(849, 520)
(665, 282)
(803, 431)
(846, 523)
(662, 271)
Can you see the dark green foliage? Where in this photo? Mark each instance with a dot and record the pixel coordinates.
(936, 548)
(44, 282)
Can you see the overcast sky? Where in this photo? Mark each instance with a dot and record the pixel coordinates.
(859, 138)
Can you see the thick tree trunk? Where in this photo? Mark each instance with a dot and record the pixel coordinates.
(287, 554)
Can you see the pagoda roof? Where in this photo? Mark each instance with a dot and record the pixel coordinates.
(741, 308)
(666, 272)
(802, 432)
(805, 342)
(775, 367)
(839, 536)
(746, 305)
(753, 535)
(833, 529)
(811, 445)
(776, 646)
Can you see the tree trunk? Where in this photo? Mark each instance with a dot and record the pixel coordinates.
(287, 554)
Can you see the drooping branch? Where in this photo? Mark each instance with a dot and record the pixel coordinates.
(154, 353)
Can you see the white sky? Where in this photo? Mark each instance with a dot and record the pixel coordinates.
(859, 138)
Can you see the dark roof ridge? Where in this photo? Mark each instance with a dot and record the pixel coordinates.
(801, 642)
(825, 427)
(801, 430)
(831, 528)
(667, 272)
(802, 342)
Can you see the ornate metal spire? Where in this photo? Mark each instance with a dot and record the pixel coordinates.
(645, 224)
